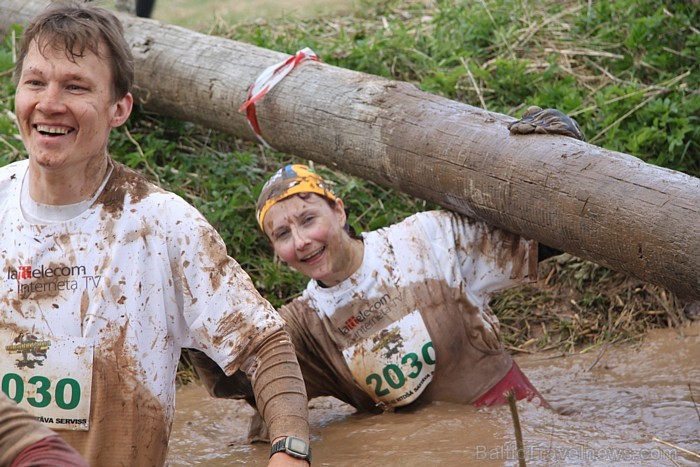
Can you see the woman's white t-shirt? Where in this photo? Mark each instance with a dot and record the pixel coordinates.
(415, 317)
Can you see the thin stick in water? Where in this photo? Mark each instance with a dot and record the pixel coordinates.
(690, 388)
(510, 395)
(691, 453)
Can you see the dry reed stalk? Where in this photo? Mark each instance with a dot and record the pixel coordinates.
(690, 388)
(510, 396)
(690, 453)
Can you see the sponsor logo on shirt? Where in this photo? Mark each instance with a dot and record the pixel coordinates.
(26, 272)
(44, 279)
(371, 314)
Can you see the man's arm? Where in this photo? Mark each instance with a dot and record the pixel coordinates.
(279, 391)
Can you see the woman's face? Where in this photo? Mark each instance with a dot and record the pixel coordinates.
(307, 233)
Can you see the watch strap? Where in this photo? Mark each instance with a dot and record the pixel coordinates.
(286, 445)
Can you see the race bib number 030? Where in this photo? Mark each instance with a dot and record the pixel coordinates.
(51, 378)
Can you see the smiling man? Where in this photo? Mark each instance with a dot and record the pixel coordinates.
(106, 277)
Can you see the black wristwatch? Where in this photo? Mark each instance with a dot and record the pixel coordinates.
(295, 447)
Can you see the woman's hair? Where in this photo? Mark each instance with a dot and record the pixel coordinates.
(76, 28)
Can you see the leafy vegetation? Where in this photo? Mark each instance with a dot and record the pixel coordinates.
(627, 70)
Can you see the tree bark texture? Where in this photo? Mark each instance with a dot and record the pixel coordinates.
(601, 205)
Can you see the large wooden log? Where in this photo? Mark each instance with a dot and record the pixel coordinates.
(605, 206)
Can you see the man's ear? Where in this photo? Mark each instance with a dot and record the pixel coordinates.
(122, 110)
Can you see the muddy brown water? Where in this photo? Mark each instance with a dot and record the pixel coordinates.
(625, 402)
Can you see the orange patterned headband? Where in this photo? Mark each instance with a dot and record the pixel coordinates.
(288, 181)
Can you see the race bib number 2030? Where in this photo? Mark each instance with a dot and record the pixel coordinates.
(396, 364)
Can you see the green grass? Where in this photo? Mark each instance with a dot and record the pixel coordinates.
(627, 70)
(202, 14)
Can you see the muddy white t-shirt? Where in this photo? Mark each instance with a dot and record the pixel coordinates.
(95, 310)
(415, 317)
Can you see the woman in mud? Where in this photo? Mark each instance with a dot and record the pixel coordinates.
(401, 314)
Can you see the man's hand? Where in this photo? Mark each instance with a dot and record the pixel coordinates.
(290, 451)
(281, 459)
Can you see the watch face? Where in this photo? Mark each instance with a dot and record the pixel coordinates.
(297, 445)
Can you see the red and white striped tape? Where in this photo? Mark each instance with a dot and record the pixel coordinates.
(266, 81)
